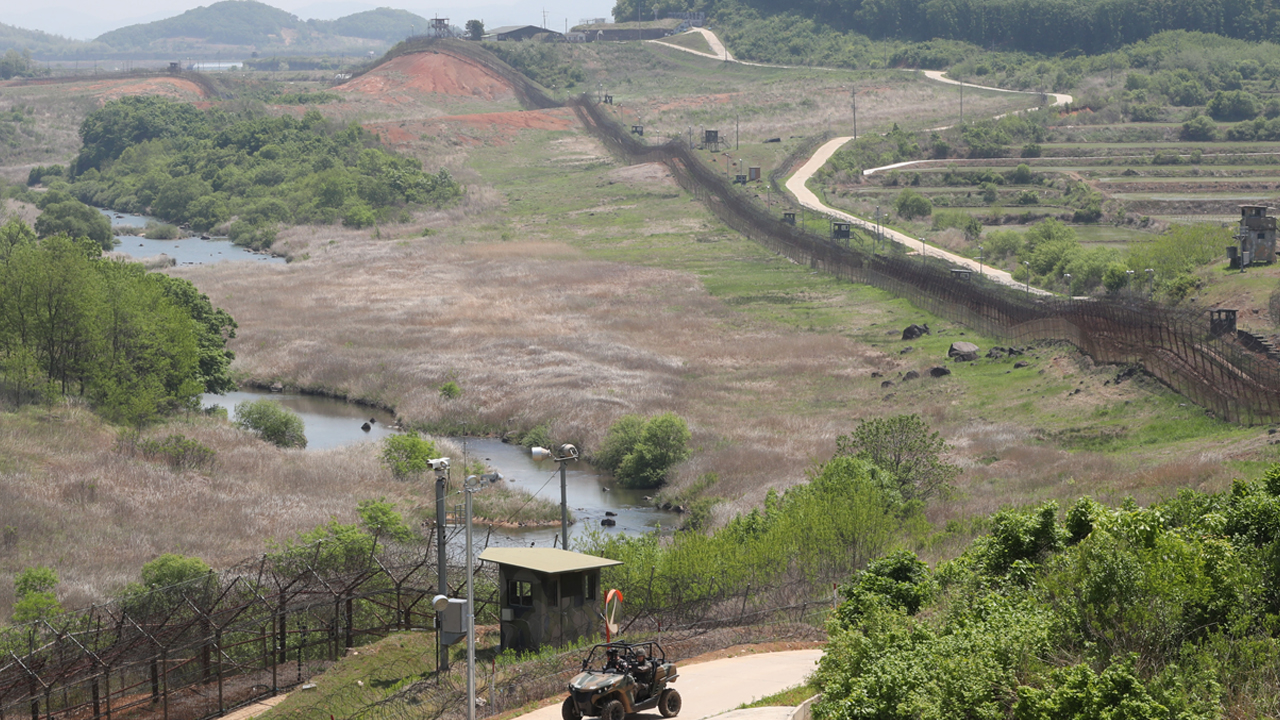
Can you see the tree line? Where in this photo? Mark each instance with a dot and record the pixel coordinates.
(135, 345)
(152, 155)
(1038, 26)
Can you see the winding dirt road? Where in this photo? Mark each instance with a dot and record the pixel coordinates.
(797, 183)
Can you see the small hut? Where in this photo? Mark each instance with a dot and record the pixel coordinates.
(547, 596)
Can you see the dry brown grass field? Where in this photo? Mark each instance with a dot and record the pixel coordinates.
(569, 289)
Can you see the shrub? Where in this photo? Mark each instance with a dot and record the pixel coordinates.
(621, 437)
(35, 599)
(406, 455)
(911, 205)
(1233, 105)
(663, 443)
(1021, 175)
(1199, 128)
(639, 452)
(179, 451)
(381, 519)
(171, 569)
(904, 447)
(272, 422)
(450, 390)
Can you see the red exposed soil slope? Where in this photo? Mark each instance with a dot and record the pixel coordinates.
(172, 87)
(429, 73)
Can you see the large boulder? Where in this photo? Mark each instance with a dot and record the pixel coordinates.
(963, 351)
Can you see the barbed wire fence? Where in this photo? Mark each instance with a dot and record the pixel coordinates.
(783, 613)
(1181, 347)
(220, 641)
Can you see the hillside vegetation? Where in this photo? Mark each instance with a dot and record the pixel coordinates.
(252, 23)
(1037, 26)
(150, 154)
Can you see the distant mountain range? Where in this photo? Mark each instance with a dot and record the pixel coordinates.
(228, 28)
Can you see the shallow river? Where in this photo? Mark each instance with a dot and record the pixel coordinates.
(333, 423)
(185, 251)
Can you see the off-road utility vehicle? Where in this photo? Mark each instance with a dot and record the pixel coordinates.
(621, 678)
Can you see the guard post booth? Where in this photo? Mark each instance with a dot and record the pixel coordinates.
(546, 596)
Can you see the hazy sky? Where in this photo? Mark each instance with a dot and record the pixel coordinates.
(85, 19)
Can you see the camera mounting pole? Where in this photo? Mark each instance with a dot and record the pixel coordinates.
(567, 452)
(441, 466)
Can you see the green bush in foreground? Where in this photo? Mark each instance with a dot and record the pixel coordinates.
(1170, 611)
(272, 422)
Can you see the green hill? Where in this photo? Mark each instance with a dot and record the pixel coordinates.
(387, 24)
(1037, 26)
(35, 41)
(230, 22)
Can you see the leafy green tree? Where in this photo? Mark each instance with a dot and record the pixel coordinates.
(1199, 128)
(406, 455)
(131, 120)
(1022, 175)
(34, 579)
(903, 446)
(75, 219)
(1233, 105)
(621, 439)
(34, 593)
(663, 443)
(911, 205)
(475, 29)
(332, 548)
(16, 64)
(214, 327)
(272, 422)
(381, 519)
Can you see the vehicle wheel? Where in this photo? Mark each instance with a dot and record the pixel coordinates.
(669, 703)
(613, 710)
(569, 710)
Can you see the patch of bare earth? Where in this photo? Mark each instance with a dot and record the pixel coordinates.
(423, 73)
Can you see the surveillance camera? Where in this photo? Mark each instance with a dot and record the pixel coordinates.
(439, 464)
(540, 453)
(568, 451)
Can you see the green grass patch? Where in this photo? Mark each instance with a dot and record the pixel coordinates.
(790, 697)
(366, 675)
(692, 40)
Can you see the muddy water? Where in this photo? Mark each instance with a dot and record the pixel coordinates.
(591, 495)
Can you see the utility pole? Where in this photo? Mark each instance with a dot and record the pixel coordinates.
(853, 96)
(442, 578)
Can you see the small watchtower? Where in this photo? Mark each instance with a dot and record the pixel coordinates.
(1256, 235)
(547, 596)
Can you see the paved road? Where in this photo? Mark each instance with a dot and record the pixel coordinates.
(716, 687)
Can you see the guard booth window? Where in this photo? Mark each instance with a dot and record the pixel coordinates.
(589, 585)
(520, 594)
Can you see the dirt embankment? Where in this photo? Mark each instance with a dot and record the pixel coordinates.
(421, 73)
